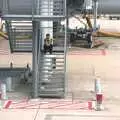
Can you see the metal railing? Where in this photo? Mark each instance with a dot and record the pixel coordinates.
(20, 36)
(49, 7)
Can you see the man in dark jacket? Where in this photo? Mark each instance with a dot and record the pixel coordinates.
(48, 44)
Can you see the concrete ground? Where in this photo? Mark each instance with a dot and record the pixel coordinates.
(83, 65)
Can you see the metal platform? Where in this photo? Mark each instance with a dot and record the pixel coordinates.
(31, 17)
(37, 9)
(12, 72)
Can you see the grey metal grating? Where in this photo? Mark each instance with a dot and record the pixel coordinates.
(51, 80)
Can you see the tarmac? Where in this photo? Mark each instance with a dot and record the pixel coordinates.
(83, 65)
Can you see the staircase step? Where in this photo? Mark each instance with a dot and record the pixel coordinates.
(23, 48)
(49, 82)
(46, 71)
(24, 42)
(53, 77)
(52, 80)
(52, 65)
(53, 74)
(52, 95)
(43, 62)
(52, 86)
(50, 69)
(51, 90)
(51, 57)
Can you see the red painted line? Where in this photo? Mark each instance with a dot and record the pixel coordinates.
(80, 108)
(8, 104)
(103, 52)
(24, 100)
(66, 105)
(94, 53)
(19, 104)
(38, 107)
(63, 109)
(3, 52)
(27, 105)
(85, 54)
(90, 105)
(38, 102)
(57, 105)
(46, 105)
(75, 105)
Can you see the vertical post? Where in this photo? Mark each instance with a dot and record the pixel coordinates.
(5, 4)
(65, 51)
(8, 28)
(95, 13)
(14, 38)
(99, 94)
(35, 58)
(67, 21)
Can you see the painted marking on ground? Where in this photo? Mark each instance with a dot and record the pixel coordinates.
(42, 104)
(4, 52)
(93, 53)
(7, 104)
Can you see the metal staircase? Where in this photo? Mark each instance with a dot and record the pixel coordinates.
(52, 68)
(49, 70)
(20, 35)
(51, 75)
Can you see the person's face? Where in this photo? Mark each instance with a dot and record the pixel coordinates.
(47, 36)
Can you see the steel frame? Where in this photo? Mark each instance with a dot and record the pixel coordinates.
(35, 17)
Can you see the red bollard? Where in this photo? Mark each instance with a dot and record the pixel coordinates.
(99, 100)
(0, 95)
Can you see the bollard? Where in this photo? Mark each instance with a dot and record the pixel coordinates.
(98, 88)
(99, 95)
(9, 84)
(99, 99)
(11, 65)
(3, 91)
(0, 104)
(0, 91)
(0, 97)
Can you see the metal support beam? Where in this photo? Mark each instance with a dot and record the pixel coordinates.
(5, 8)
(65, 51)
(35, 58)
(95, 7)
(31, 17)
